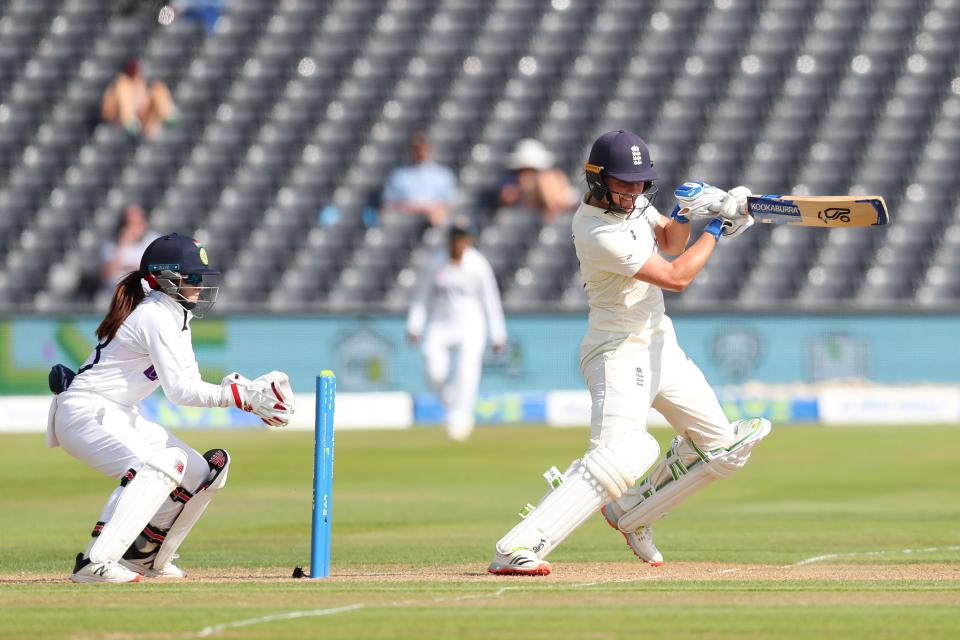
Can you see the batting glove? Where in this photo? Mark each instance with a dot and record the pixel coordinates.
(721, 227)
(734, 203)
(697, 200)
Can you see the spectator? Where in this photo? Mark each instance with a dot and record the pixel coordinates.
(423, 187)
(122, 255)
(129, 102)
(534, 183)
(456, 303)
(205, 12)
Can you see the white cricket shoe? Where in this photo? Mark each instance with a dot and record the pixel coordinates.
(145, 568)
(519, 562)
(107, 571)
(459, 427)
(640, 541)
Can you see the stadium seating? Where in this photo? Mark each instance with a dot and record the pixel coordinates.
(292, 113)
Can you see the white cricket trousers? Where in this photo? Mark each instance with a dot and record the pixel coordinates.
(626, 382)
(459, 392)
(112, 438)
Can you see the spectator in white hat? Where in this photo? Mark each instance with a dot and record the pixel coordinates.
(534, 183)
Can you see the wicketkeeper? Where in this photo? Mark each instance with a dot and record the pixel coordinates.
(165, 485)
(631, 361)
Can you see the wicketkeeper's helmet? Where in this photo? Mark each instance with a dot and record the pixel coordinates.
(172, 261)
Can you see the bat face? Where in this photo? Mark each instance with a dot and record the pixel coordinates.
(819, 211)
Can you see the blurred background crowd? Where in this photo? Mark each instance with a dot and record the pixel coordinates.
(321, 148)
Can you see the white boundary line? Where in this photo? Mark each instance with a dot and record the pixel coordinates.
(833, 556)
(217, 628)
(206, 632)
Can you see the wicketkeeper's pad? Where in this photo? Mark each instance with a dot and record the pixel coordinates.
(219, 461)
(140, 499)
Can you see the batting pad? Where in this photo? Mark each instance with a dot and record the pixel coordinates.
(685, 470)
(603, 474)
(219, 461)
(138, 502)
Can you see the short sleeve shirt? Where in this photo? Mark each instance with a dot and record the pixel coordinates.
(427, 182)
(611, 250)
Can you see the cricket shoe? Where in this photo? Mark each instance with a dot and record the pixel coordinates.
(142, 563)
(107, 571)
(519, 562)
(640, 541)
(141, 554)
(145, 568)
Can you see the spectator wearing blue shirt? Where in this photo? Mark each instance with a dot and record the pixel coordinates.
(205, 12)
(422, 187)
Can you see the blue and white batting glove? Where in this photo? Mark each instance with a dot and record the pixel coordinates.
(676, 216)
(698, 200)
(715, 228)
(722, 227)
(734, 204)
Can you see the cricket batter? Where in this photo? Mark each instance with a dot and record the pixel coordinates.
(165, 485)
(456, 302)
(631, 361)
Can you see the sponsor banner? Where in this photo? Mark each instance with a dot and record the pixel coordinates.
(158, 409)
(387, 410)
(19, 414)
(24, 413)
(777, 407)
(830, 405)
(889, 405)
(491, 408)
(572, 409)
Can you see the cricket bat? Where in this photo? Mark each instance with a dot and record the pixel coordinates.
(819, 211)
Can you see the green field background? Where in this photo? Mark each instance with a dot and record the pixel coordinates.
(415, 500)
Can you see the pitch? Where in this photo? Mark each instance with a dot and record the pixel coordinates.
(828, 533)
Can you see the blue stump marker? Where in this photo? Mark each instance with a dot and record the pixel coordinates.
(322, 475)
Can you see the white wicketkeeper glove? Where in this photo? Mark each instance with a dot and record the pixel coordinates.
(270, 396)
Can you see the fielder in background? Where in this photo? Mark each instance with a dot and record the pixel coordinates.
(455, 302)
(165, 485)
(631, 361)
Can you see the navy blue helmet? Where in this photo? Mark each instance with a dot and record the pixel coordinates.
(625, 156)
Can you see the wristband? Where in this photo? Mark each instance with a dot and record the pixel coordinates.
(678, 218)
(714, 228)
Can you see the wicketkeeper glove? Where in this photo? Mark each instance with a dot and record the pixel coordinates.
(270, 396)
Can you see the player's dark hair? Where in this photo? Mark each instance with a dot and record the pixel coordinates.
(128, 294)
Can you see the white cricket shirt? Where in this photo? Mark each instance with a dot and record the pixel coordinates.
(463, 294)
(152, 348)
(611, 250)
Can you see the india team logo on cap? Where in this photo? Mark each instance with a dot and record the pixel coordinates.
(203, 255)
(637, 155)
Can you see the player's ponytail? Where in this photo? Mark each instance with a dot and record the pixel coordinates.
(128, 295)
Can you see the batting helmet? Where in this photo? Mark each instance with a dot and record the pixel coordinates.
(625, 156)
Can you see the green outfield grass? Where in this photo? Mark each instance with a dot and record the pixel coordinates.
(423, 513)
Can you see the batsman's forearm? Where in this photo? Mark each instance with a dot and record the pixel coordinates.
(676, 236)
(690, 262)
